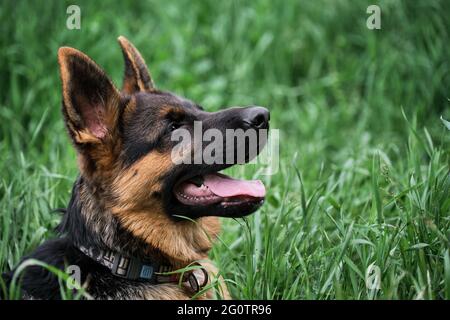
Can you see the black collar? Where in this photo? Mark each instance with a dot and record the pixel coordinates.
(132, 268)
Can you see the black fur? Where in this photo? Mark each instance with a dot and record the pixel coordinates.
(39, 283)
(89, 220)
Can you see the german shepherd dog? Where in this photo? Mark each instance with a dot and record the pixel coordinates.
(135, 218)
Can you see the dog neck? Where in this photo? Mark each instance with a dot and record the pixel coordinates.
(88, 222)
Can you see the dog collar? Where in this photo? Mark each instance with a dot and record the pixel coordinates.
(135, 269)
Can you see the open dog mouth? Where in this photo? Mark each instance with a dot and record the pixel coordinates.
(217, 188)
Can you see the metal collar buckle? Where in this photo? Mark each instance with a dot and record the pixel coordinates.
(198, 279)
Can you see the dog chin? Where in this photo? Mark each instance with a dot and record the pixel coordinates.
(222, 209)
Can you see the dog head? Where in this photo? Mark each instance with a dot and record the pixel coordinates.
(125, 141)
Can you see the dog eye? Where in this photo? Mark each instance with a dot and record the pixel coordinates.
(174, 125)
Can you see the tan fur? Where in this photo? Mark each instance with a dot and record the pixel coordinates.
(133, 199)
(104, 150)
(138, 77)
(110, 113)
(133, 186)
(176, 112)
(214, 272)
(181, 242)
(129, 109)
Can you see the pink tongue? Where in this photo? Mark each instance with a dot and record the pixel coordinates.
(225, 186)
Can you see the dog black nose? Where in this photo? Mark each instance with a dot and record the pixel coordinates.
(256, 117)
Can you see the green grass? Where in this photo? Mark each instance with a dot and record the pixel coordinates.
(364, 157)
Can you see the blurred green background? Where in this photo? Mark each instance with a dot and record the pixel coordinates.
(362, 183)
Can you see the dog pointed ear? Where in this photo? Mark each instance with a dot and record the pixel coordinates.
(90, 100)
(137, 77)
